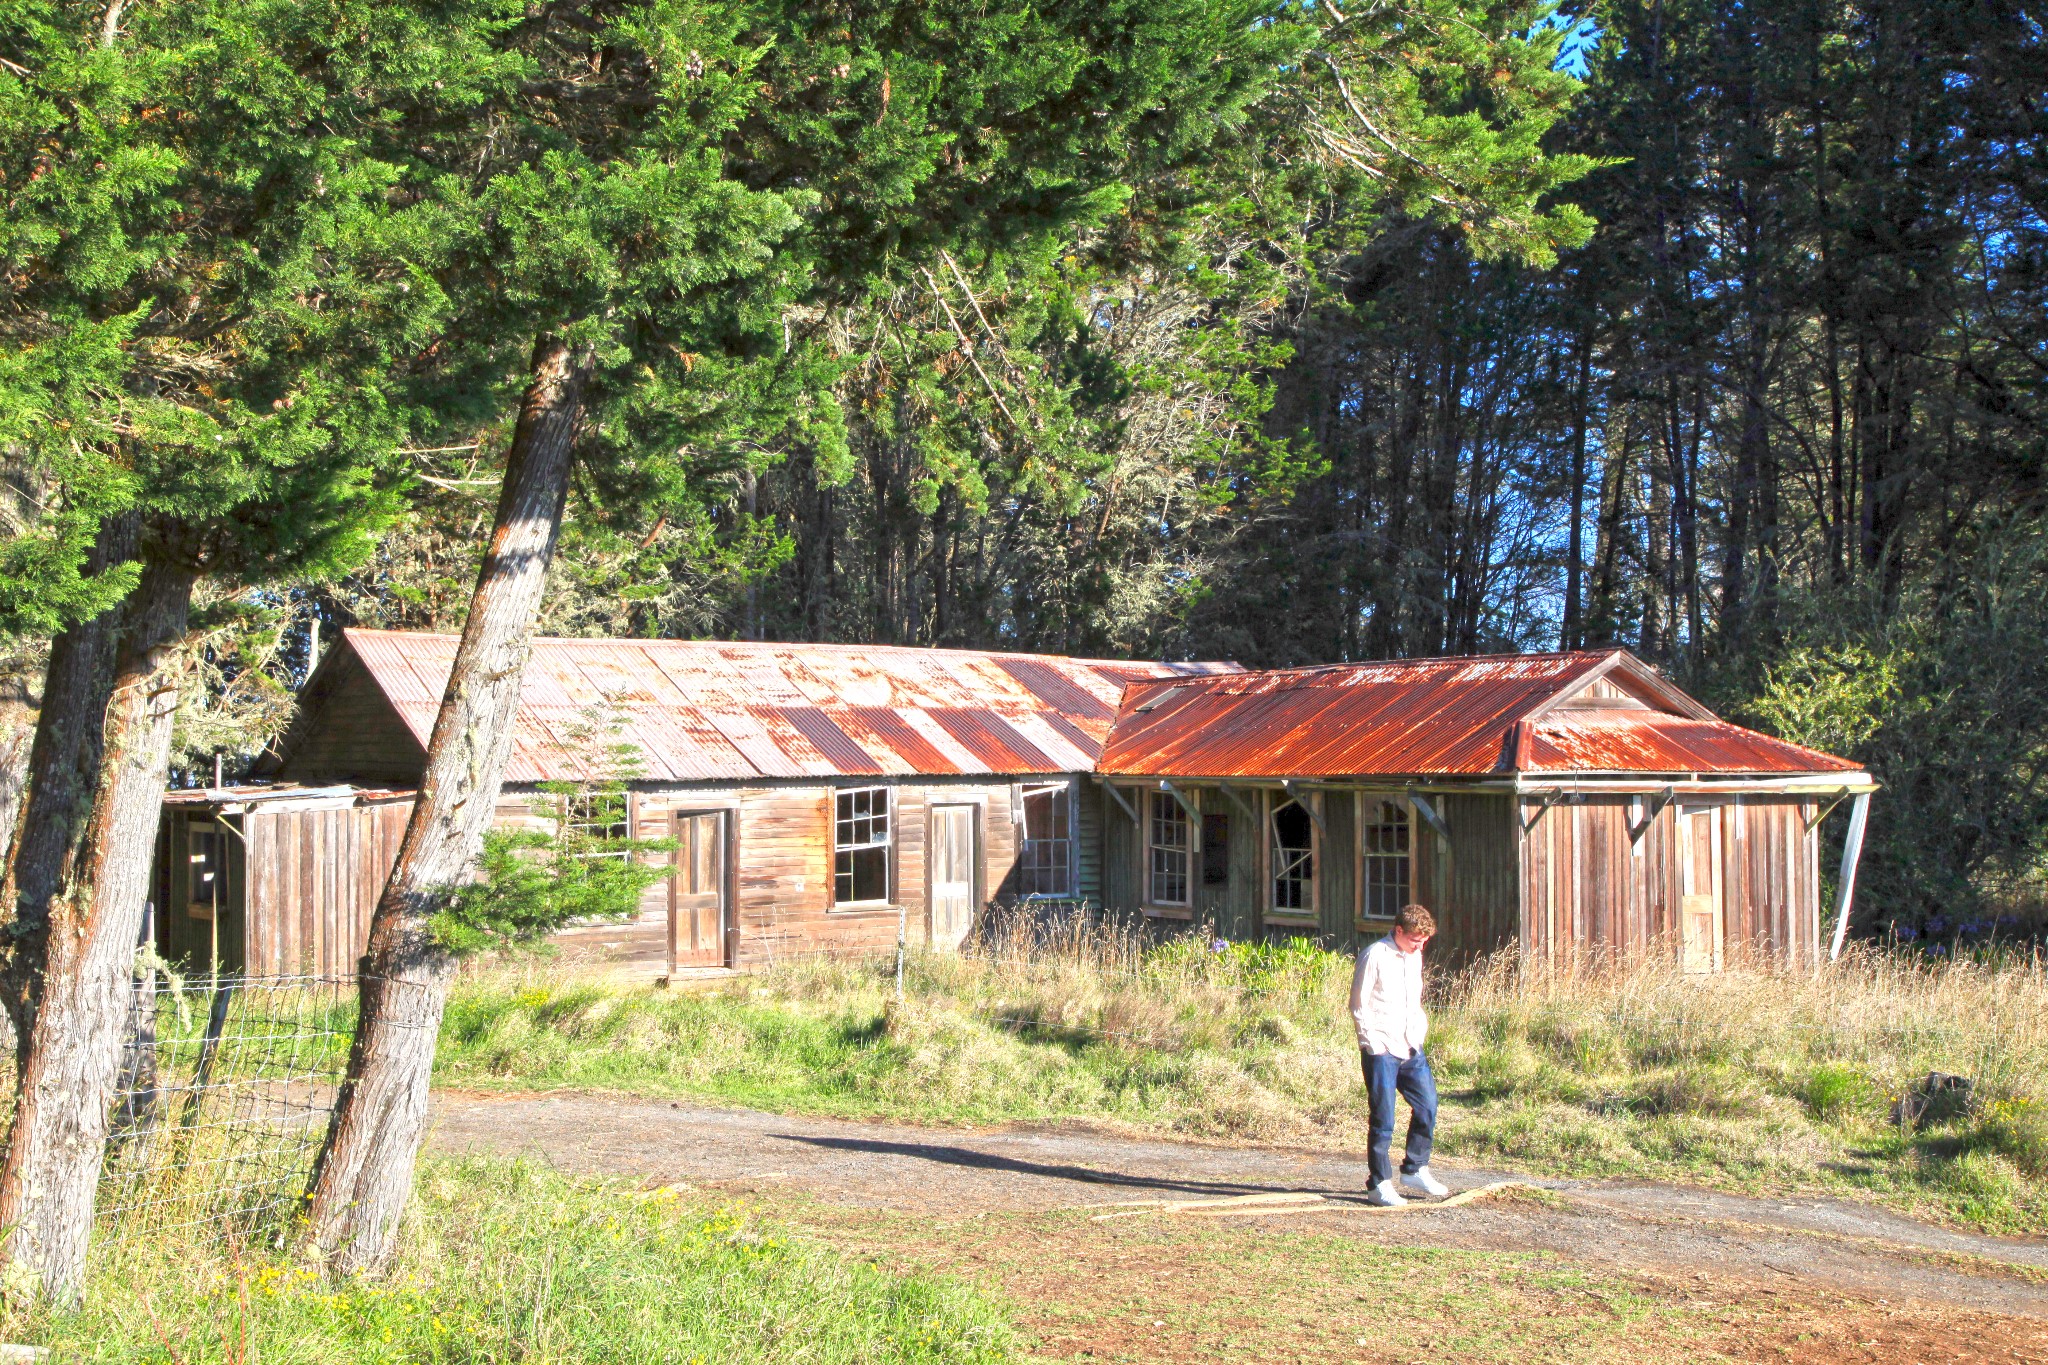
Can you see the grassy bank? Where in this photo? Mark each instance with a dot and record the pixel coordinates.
(506, 1262)
(1748, 1078)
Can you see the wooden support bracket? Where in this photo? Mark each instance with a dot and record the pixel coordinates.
(1181, 797)
(1118, 796)
(1550, 798)
(1837, 799)
(1651, 808)
(1429, 815)
(1238, 800)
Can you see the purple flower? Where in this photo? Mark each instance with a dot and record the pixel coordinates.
(1221, 945)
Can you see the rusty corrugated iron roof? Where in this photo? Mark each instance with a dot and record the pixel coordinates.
(1636, 741)
(1437, 717)
(704, 710)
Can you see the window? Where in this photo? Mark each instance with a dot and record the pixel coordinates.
(599, 815)
(1170, 840)
(1046, 859)
(203, 851)
(1215, 848)
(1294, 858)
(860, 846)
(1386, 859)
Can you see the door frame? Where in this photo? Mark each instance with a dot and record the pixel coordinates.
(728, 878)
(1717, 856)
(976, 856)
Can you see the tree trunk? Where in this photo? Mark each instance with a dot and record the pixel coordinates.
(64, 758)
(1572, 632)
(364, 1173)
(17, 741)
(73, 1045)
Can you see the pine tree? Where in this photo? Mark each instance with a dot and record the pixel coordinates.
(205, 280)
(669, 188)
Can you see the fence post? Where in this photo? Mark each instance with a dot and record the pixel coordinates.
(900, 923)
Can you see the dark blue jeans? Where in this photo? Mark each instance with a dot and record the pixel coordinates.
(1385, 1076)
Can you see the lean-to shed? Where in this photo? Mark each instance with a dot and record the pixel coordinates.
(1565, 803)
(819, 794)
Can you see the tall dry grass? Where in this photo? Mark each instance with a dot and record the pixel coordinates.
(1747, 1077)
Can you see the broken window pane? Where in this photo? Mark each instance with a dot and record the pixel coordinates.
(1045, 861)
(1294, 861)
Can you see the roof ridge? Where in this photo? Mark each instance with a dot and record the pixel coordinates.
(834, 645)
(1457, 659)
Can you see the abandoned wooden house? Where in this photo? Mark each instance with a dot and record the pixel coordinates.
(818, 794)
(821, 796)
(1563, 803)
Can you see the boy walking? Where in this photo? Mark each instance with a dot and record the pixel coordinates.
(1386, 1004)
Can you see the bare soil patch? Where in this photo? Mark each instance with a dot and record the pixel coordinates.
(1561, 1271)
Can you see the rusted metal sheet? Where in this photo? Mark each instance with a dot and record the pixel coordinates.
(1434, 717)
(994, 741)
(1592, 741)
(713, 710)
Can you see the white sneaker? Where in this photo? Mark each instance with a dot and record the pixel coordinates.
(1384, 1196)
(1421, 1179)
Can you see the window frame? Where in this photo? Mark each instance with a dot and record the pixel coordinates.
(1176, 814)
(1312, 891)
(1067, 859)
(576, 813)
(1370, 805)
(887, 844)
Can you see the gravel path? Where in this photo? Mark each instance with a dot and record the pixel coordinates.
(958, 1172)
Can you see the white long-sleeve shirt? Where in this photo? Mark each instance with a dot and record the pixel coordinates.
(1386, 1000)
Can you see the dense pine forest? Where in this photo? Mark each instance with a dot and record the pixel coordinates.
(1778, 424)
(1715, 331)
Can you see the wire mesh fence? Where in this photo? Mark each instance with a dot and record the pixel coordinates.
(225, 1088)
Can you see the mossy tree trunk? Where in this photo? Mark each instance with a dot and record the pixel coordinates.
(79, 978)
(364, 1173)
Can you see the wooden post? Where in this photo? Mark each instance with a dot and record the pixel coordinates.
(1852, 850)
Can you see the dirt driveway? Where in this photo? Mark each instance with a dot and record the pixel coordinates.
(994, 1202)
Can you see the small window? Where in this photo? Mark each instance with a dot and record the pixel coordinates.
(600, 815)
(1170, 839)
(1045, 860)
(860, 846)
(203, 849)
(1386, 859)
(1294, 858)
(1215, 848)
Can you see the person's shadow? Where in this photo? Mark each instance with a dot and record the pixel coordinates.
(989, 1161)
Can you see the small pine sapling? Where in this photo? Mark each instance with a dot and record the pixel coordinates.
(585, 867)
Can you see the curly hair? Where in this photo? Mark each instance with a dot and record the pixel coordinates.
(1415, 920)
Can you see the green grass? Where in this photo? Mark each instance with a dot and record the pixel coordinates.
(1745, 1078)
(506, 1262)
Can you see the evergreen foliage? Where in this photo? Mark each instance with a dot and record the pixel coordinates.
(584, 867)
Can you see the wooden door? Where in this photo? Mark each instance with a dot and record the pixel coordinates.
(952, 874)
(698, 922)
(1702, 904)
